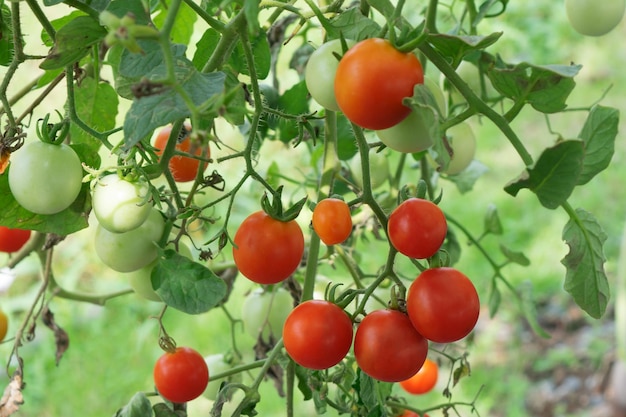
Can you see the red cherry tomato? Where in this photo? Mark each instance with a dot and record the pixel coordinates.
(317, 334)
(183, 168)
(371, 81)
(332, 221)
(424, 380)
(12, 240)
(181, 376)
(409, 413)
(417, 228)
(267, 250)
(387, 347)
(443, 304)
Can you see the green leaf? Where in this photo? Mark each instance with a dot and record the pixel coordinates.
(514, 256)
(58, 24)
(68, 221)
(261, 55)
(452, 246)
(135, 8)
(165, 410)
(183, 24)
(585, 279)
(545, 87)
(186, 285)
(466, 179)
(491, 222)
(6, 36)
(456, 47)
(73, 42)
(96, 105)
(205, 47)
(554, 175)
(352, 25)
(293, 101)
(139, 406)
(530, 311)
(598, 134)
(495, 299)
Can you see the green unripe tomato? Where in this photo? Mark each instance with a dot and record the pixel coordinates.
(120, 205)
(463, 143)
(217, 364)
(130, 251)
(379, 169)
(471, 75)
(264, 312)
(319, 73)
(437, 93)
(45, 178)
(594, 18)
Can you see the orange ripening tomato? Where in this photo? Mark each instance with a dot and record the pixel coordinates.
(372, 80)
(183, 168)
(424, 380)
(332, 221)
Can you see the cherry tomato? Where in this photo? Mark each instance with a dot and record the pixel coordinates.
(417, 228)
(379, 169)
(317, 334)
(387, 347)
(45, 178)
(443, 304)
(181, 376)
(130, 251)
(264, 312)
(371, 81)
(594, 18)
(120, 205)
(409, 413)
(424, 380)
(217, 364)
(183, 168)
(4, 325)
(319, 73)
(12, 240)
(462, 141)
(332, 221)
(267, 250)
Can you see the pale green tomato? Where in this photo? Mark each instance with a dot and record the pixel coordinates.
(471, 75)
(45, 178)
(120, 205)
(130, 251)
(463, 143)
(594, 18)
(411, 135)
(437, 93)
(319, 73)
(264, 312)
(217, 364)
(379, 169)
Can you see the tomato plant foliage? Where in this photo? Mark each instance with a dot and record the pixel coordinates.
(285, 106)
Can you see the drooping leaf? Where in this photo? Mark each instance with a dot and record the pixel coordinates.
(73, 41)
(598, 134)
(545, 87)
(135, 8)
(466, 179)
(491, 221)
(514, 256)
(352, 25)
(293, 101)
(183, 24)
(96, 105)
(456, 47)
(6, 36)
(495, 298)
(186, 285)
(138, 406)
(530, 311)
(585, 279)
(554, 175)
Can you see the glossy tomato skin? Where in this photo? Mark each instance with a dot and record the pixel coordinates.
(12, 240)
(317, 334)
(45, 178)
(443, 304)
(594, 18)
(332, 221)
(4, 325)
(120, 205)
(417, 228)
(267, 250)
(320, 70)
(183, 168)
(424, 380)
(387, 347)
(130, 251)
(371, 81)
(409, 413)
(181, 376)
(264, 312)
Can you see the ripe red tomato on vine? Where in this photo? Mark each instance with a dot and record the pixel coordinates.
(372, 80)
(181, 375)
(443, 304)
(267, 250)
(12, 240)
(183, 168)
(387, 347)
(332, 221)
(424, 380)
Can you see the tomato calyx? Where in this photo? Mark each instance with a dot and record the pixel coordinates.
(342, 299)
(52, 133)
(274, 207)
(167, 343)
